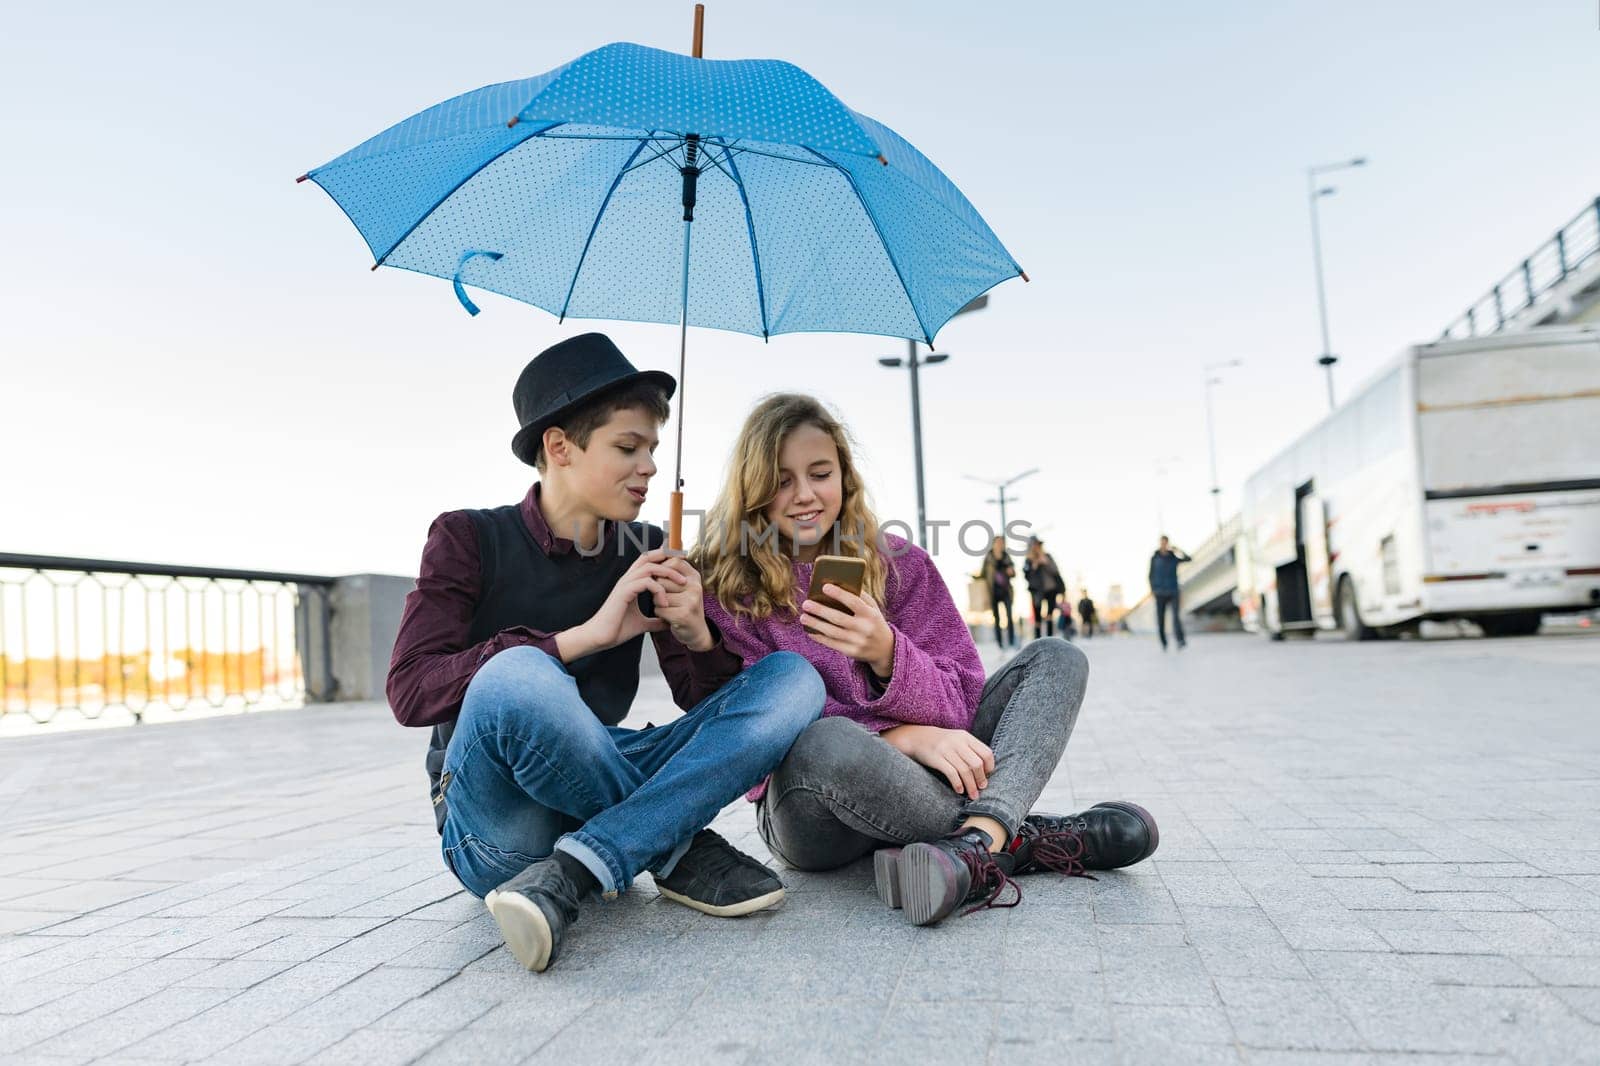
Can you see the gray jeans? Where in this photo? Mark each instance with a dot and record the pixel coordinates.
(843, 792)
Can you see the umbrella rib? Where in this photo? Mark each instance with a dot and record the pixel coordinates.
(453, 190)
(750, 225)
(601, 136)
(668, 150)
(573, 285)
(733, 149)
(881, 242)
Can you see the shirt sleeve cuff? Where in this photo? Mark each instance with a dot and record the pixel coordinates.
(518, 636)
(717, 660)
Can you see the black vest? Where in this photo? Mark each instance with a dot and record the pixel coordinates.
(519, 585)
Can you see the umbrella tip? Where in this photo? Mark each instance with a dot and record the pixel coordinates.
(376, 265)
(514, 120)
(1024, 274)
(301, 178)
(882, 160)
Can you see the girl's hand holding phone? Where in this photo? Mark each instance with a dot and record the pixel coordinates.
(859, 632)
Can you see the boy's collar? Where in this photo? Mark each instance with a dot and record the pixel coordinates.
(543, 535)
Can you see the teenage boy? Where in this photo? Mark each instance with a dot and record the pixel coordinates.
(520, 646)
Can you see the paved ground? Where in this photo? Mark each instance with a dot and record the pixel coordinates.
(1370, 853)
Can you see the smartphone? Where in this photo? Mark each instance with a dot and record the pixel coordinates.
(839, 570)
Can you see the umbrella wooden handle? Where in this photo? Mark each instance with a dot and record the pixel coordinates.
(699, 29)
(675, 528)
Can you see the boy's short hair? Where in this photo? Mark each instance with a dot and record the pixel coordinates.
(579, 424)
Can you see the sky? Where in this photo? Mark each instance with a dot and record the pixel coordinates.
(197, 367)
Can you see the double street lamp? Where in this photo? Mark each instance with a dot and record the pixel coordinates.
(1000, 488)
(911, 361)
(1314, 193)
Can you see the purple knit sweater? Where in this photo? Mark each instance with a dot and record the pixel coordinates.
(937, 675)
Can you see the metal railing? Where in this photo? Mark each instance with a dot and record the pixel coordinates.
(1535, 279)
(94, 635)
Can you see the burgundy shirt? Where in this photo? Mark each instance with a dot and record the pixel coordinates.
(433, 662)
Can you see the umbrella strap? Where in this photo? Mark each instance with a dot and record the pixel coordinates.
(461, 294)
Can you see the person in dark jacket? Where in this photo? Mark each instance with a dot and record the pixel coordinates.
(520, 648)
(997, 574)
(1044, 586)
(1164, 587)
(1088, 617)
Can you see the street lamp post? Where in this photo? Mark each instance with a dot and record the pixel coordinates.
(1211, 433)
(911, 361)
(1000, 488)
(1315, 192)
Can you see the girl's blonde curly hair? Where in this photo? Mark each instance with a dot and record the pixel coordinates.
(738, 554)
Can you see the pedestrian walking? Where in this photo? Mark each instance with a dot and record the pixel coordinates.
(1044, 586)
(1064, 626)
(997, 574)
(1164, 587)
(1088, 617)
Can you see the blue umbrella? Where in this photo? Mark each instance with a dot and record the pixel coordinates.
(583, 190)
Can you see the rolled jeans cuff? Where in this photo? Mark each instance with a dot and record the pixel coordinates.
(670, 863)
(597, 858)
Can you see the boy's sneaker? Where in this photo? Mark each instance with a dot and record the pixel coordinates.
(929, 880)
(715, 877)
(533, 910)
(1107, 836)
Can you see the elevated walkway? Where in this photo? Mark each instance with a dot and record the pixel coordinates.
(1557, 284)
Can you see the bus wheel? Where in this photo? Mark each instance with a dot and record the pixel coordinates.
(1350, 624)
(1522, 624)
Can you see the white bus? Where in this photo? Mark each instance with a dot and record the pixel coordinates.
(1462, 481)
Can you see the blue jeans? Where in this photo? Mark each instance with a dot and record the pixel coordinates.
(531, 770)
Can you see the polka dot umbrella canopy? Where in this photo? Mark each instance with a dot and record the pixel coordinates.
(648, 186)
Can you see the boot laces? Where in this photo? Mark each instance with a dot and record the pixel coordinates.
(987, 875)
(1061, 847)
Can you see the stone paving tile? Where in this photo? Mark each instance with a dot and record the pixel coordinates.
(1346, 876)
(234, 973)
(275, 1045)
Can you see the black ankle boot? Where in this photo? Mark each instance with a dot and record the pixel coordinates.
(932, 879)
(1107, 836)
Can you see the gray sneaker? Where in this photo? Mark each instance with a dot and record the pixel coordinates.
(715, 877)
(533, 910)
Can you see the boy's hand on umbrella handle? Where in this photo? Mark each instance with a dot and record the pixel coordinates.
(682, 606)
(619, 618)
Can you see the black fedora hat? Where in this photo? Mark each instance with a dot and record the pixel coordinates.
(566, 375)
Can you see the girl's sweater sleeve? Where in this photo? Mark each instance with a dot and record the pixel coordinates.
(937, 676)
